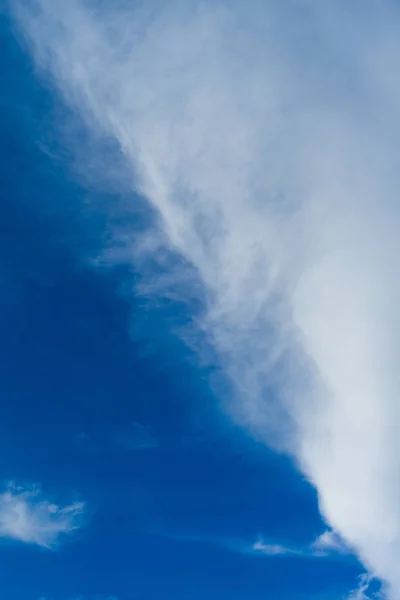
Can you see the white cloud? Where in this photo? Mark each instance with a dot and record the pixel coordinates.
(329, 542)
(266, 137)
(273, 549)
(326, 545)
(28, 517)
(361, 592)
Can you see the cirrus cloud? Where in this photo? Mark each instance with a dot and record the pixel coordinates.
(266, 140)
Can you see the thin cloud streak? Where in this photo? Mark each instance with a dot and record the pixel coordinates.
(133, 437)
(266, 139)
(327, 545)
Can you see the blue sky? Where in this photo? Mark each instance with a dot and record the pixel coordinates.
(167, 398)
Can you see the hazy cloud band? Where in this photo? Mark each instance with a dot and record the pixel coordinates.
(266, 139)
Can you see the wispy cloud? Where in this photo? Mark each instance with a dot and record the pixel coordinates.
(26, 516)
(362, 591)
(273, 549)
(266, 138)
(327, 545)
(329, 542)
(129, 438)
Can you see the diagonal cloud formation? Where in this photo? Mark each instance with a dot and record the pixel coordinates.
(266, 139)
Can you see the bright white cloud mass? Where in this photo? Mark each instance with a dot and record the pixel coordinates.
(28, 517)
(265, 134)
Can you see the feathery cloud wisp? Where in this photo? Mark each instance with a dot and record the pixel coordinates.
(272, 549)
(266, 139)
(361, 592)
(27, 517)
(329, 542)
(326, 545)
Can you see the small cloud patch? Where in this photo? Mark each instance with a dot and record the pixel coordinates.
(329, 542)
(133, 437)
(26, 516)
(272, 549)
